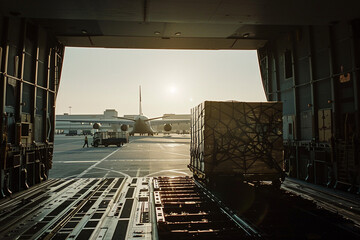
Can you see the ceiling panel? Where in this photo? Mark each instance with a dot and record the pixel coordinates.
(209, 22)
(150, 42)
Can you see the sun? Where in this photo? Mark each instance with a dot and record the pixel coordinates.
(173, 89)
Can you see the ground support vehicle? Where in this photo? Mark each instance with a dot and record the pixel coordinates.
(73, 133)
(237, 140)
(110, 138)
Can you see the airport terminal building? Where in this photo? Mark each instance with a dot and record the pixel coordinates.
(65, 127)
(78, 128)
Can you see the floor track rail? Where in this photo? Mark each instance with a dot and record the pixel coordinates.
(186, 210)
(241, 223)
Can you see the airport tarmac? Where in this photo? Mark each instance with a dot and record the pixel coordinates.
(143, 156)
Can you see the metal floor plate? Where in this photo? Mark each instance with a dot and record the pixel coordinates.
(88, 208)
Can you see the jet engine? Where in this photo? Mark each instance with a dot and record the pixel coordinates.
(96, 126)
(124, 127)
(167, 127)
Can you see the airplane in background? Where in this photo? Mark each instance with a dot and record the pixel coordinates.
(140, 124)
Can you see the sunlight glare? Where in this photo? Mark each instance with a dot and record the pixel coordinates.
(172, 89)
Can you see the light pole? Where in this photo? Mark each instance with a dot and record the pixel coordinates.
(70, 121)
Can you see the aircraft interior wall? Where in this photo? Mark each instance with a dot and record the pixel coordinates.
(314, 71)
(30, 68)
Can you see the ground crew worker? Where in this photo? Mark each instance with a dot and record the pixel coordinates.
(86, 142)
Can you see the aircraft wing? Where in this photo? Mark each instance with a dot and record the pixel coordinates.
(101, 121)
(169, 121)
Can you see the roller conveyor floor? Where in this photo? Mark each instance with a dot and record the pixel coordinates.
(163, 208)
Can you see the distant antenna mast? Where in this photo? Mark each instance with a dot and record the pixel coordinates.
(140, 108)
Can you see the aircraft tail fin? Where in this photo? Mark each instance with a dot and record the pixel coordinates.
(140, 107)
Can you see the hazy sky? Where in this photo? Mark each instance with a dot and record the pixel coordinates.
(172, 81)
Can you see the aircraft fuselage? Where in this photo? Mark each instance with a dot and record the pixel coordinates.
(142, 126)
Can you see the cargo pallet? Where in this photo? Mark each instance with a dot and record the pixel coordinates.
(237, 139)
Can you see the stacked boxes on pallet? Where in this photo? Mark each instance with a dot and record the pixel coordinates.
(237, 139)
